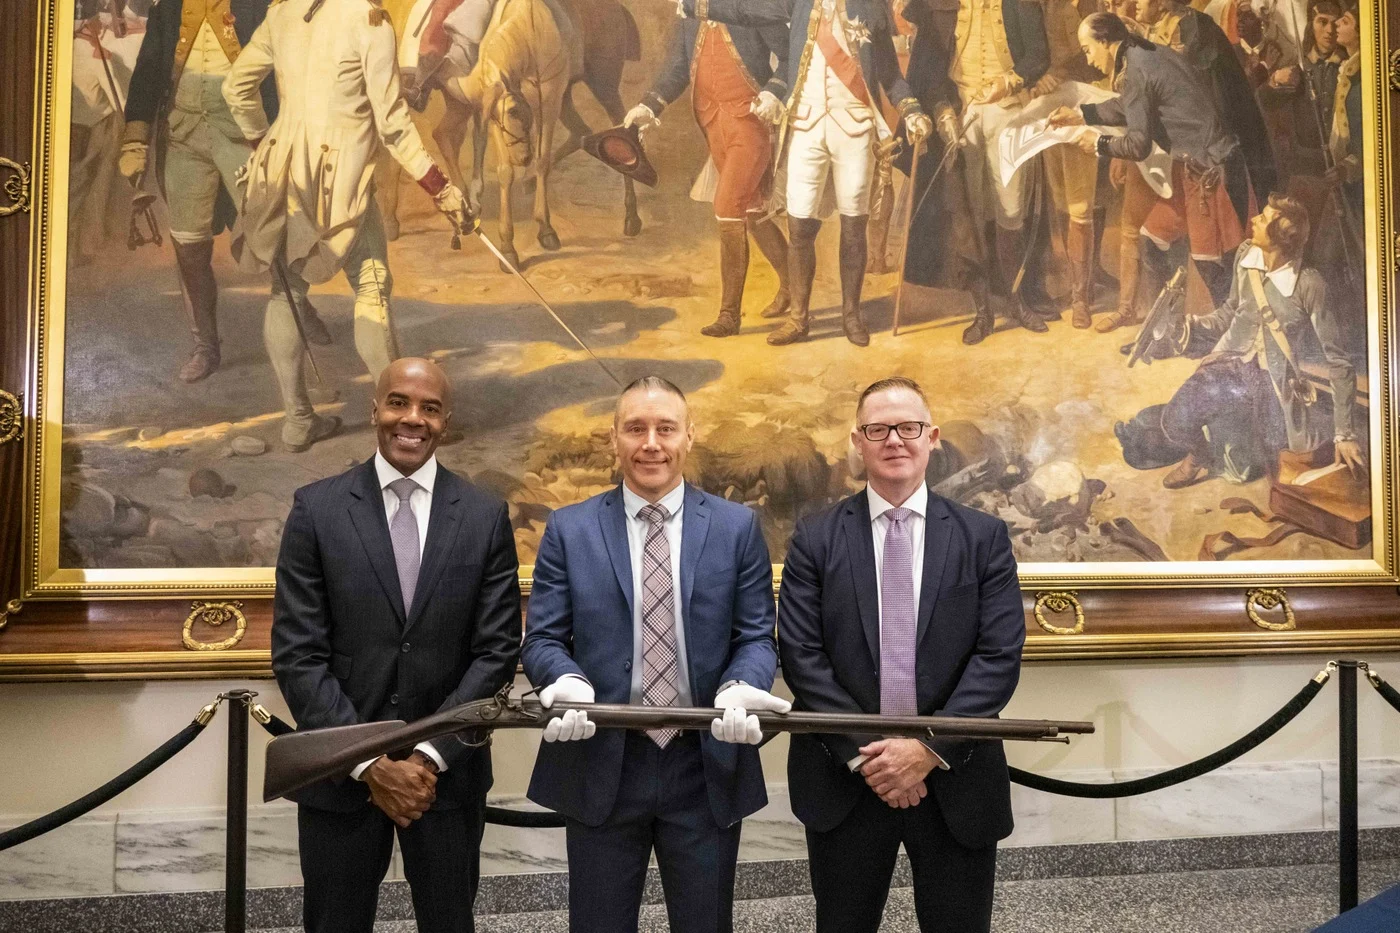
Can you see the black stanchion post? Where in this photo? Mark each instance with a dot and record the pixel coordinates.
(1347, 847)
(236, 838)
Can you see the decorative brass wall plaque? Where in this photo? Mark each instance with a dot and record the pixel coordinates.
(1266, 599)
(215, 614)
(16, 187)
(1057, 602)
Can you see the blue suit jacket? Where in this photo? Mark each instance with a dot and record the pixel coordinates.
(580, 622)
(763, 53)
(968, 657)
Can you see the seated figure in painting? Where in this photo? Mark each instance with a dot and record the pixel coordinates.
(1251, 397)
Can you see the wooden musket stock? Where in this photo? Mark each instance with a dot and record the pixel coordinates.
(299, 759)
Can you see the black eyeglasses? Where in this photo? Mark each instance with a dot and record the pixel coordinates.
(908, 430)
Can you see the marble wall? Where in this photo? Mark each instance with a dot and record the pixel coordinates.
(172, 850)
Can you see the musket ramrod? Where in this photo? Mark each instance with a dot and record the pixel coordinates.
(299, 759)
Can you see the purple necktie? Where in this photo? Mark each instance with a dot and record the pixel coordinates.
(898, 693)
(403, 532)
(658, 619)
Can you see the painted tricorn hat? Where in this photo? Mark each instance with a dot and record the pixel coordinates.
(620, 149)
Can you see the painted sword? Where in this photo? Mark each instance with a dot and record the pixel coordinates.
(474, 226)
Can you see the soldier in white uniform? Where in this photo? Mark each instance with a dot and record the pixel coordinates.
(841, 57)
(309, 195)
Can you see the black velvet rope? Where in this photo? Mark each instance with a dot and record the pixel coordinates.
(1185, 772)
(501, 816)
(50, 821)
(1391, 695)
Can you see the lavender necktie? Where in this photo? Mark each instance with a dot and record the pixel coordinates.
(659, 661)
(403, 532)
(898, 693)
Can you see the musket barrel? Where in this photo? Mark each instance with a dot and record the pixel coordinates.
(297, 760)
(641, 717)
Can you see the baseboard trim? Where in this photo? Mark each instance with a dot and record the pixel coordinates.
(201, 911)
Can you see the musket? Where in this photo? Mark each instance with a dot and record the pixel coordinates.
(1153, 329)
(299, 759)
(1339, 204)
(473, 225)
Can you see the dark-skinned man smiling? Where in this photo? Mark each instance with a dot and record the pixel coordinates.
(397, 596)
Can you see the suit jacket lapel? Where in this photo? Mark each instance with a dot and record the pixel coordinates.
(695, 525)
(367, 515)
(443, 519)
(937, 531)
(612, 521)
(861, 546)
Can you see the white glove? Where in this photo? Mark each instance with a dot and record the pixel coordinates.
(451, 203)
(919, 127)
(737, 725)
(574, 725)
(768, 108)
(639, 116)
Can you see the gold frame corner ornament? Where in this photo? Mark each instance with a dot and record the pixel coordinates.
(215, 614)
(12, 608)
(1270, 598)
(18, 186)
(1058, 601)
(11, 418)
(1395, 69)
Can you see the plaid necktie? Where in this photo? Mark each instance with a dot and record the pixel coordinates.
(658, 619)
(898, 693)
(403, 532)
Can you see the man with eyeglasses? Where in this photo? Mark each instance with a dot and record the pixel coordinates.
(899, 602)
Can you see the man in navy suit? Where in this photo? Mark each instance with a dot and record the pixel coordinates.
(397, 596)
(898, 601)
(653, 594)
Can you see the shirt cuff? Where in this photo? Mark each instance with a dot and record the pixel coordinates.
(358, 773)
(938, 761)
(433, 182)
(432, 753)
(855, 763)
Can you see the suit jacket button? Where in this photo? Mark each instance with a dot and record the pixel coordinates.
(627, 666)
(404, 647)
(394, 700)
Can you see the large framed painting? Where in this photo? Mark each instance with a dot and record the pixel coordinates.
(1140, 265)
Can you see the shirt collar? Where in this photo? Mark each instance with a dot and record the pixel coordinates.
(672, 501)
(916, 503)
(1285, 277)
(425, 476)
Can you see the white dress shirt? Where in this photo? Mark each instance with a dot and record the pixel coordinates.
(917, 503)
(880, 526)
(637, 528)
(420, 501)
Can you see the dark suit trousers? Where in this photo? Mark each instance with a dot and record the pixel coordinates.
(662, 802)
(344, 857)
(852, 866)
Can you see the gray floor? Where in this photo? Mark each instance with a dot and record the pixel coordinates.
(1253, 900)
